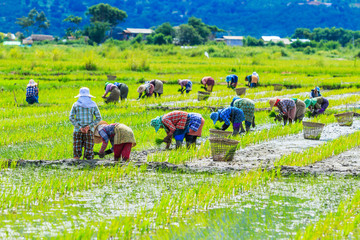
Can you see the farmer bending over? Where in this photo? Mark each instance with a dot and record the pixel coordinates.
(185, 84)
(315, 92)
(82, 117)
(124, 90)
(254, 79)
(158, 87)
(232, 81)
(114, 93)
(121, 137)
(287, 108)
(145, 90)
(300, 110)
(248, 107)
(317, 105)
(229, 115)
(176, 124)
(208, 83)
(32, 92)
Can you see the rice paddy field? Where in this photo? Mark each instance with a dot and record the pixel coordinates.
(278, 186)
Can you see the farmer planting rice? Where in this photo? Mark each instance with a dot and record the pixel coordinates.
(185, 84)
(145, 90)
(248, 107)
(254, 79)
(317, 105)
(300, 110)
(315, 92)
(196, 123)
(114, 93)
(158, 87)
(229, 115)
(248, 80)
(32, 92)
(286, 106)
(208, 83)
(176, 124)
(82, 115)
(121, 137)
(232, 81)
(124, 90)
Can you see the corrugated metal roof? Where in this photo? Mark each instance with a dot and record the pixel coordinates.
(139, 30)
(233, 37)
(270, 38)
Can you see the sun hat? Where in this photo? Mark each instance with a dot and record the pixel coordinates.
(157, 123)
(84, 92)
(272, 102)
(214, 116)
(317, 89)
(141, 89)
(97, 138)
(32, 83)
(310, 102)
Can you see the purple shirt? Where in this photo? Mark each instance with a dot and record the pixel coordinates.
(183, 82)
(109, 87)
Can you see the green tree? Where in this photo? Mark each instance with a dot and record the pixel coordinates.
(202, 29)
(166, 29)
(188, 35)
(159, 39)
(34, 20)
(96, 31)
(75, 22)
(106, 14)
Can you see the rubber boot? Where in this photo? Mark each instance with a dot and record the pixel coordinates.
(253, 122)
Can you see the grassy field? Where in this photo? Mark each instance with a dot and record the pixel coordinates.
(130, 202)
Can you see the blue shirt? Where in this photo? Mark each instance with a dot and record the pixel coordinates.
(231, 115)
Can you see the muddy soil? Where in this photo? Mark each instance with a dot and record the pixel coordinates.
(264, 154)
(347, 163)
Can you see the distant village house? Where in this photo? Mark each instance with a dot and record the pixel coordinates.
(38, 38)
(234, 40)
(130, 33)
(275, 39)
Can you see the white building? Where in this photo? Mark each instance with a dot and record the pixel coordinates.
(234, 40)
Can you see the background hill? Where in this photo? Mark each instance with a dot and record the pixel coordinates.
(238, 17)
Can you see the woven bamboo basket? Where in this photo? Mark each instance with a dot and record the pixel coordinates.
(216, 133)
(345, 119)
(312, 130)
(111, 77)
(240, 91)
(202, 96)
(223, 149)
(209, 88)
(278, 87)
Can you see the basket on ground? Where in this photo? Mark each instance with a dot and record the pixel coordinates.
(202, 96)
(345, 119)
(313, 130)
(111, 77)
(223, 149)
(240, 91)
(216, 133)
(278, 87)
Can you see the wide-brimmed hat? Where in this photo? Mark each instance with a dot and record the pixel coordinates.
(317, 89)
(97, 137)
(84, 92)
(141, 88)
(214, 116)
(272, 102)
(32, 83)
(156, 123)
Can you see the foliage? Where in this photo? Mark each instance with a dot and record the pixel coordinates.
(187, 35)
(35, 20)
(96, 31)
(75, 22)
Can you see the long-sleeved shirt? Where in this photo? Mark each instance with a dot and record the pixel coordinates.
(231, 115)
(175, 120)
(81, 117)
(107, 134)
(194, 121)
(184, 82)
(207, 80)
(232, 78)
(286, 105)
(32, 91)
(109, 87)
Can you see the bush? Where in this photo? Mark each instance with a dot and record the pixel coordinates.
(89, 62)
(308, 50)
(159, 39)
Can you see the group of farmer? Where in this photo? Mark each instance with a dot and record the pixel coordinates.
(293, 109)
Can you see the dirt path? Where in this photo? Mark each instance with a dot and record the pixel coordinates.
(347, 163)
(264, 154)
